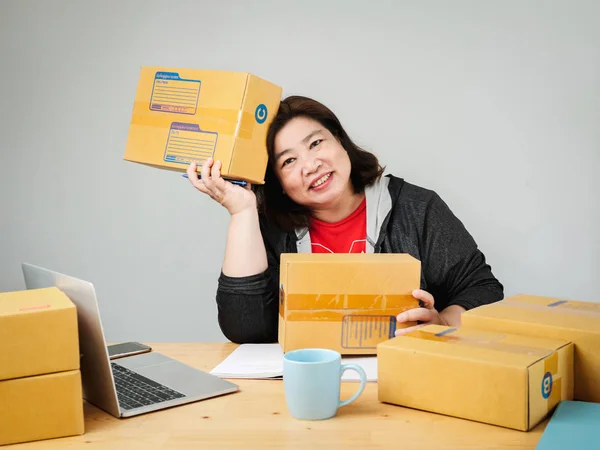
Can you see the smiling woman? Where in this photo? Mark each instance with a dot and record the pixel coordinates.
(323, 193)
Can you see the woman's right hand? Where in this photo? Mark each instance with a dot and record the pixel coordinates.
(233, 197)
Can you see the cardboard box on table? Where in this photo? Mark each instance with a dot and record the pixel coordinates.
(501, 379)
(40, 380)
(344, 302)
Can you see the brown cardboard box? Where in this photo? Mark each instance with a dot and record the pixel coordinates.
(188, 115)
(38, 333)
(344, 302)
(507, 380)
(569, 320)
(41, 407)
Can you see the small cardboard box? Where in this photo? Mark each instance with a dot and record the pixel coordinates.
(507, 380)
(569, 320)
(41, 407)
(186, 115)
(38, 333)
(344, 302)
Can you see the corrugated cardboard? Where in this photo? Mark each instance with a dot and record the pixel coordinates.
(507, 380)
(186, 115)
(344, 302)
(41, 407)
(38, 333)
(570, 320)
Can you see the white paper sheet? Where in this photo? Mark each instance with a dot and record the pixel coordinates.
(252, 361)
(262, 361)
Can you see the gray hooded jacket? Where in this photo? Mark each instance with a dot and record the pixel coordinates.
(401, 218)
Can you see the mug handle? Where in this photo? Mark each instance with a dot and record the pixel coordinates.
(363, 382)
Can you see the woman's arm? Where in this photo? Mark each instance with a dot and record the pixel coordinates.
(454, 267)
(247, 298)
(456, 275)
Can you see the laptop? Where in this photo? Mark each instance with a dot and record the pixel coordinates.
(131, 385)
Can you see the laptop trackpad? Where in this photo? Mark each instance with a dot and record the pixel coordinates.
(176, 375)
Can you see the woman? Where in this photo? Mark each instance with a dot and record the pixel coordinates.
(322, 193)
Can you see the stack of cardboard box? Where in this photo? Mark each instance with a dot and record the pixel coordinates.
(40, 381)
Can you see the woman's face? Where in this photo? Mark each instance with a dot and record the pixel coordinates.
(312, 166)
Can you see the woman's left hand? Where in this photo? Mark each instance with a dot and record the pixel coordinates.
(426, 315)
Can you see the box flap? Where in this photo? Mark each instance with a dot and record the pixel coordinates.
(354, 275)
(566, 314)
(346, 257)
(38, 333)
(489, 347)
(33, 301)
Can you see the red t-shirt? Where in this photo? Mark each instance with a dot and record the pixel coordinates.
(346, 236)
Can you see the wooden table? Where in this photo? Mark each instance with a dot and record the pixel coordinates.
(256, 417)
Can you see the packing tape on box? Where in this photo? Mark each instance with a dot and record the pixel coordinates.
(358, 331)
(555, 389)
(328, 315)
(350, 301)
(216, 120)
(560, 306)
(481, 340)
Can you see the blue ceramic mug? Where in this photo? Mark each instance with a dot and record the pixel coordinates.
(312, 379)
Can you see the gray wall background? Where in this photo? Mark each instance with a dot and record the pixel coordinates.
(493, 104)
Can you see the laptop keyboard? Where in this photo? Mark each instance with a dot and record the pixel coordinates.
(135, 390)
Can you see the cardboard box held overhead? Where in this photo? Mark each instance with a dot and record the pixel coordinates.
(501, 379)
(38, 333)
(188, 115)
(570, 320)
(344, 302)
(41, 407)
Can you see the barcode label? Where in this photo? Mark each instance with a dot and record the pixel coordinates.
(363, 331)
